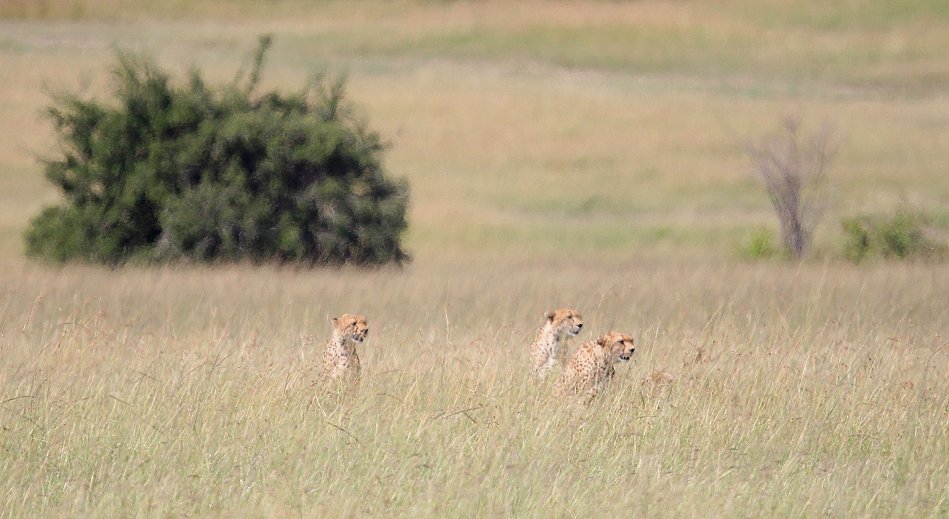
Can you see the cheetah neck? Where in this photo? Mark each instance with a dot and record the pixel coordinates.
(340, 345)
(549, 337)
(602, 356)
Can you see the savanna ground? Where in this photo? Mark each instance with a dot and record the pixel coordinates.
(583, 154)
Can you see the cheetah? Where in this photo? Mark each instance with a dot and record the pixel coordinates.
(591, 367)
(549, 348)
(340, 359)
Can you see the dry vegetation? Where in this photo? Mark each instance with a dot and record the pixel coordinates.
(818, 391)
(559, 154)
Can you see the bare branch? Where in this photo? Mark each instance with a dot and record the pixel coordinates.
(794, 175)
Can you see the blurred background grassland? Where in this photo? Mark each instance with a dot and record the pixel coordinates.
(566, 128)
(588, 154)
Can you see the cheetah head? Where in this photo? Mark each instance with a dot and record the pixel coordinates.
(353, 327)
(565, 320)
(619, 346)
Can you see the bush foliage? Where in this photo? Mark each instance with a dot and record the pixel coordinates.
(758, 244)
(186, 170)
(899, 236)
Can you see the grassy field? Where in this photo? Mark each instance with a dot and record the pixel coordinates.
(581, 154)
(812, 391)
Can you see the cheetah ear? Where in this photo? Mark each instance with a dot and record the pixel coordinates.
(549, 316)
(601, 341)
(334, 320)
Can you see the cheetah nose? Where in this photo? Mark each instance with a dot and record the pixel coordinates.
(580, 325)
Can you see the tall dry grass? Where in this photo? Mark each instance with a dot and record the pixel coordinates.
(798, 391)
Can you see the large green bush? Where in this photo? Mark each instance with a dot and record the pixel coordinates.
(184, 170)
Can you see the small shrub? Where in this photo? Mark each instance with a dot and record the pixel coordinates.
(759, 244)
(793, 169)
(190, 171)
(900, 236)
(857, 241)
